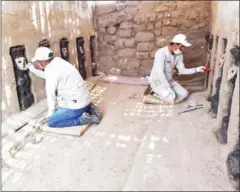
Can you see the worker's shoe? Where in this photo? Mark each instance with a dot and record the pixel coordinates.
(93, 110)
(86, 118)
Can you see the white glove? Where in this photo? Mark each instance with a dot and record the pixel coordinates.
(30, 66)
(200, 69)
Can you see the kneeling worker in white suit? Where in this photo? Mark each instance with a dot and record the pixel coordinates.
(166, 59)
(68, 99)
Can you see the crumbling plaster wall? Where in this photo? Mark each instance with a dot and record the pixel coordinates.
(225, 19)
(129, 33)
(28, 22)
(225, 24)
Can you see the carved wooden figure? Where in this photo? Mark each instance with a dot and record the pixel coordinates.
(221, 132)
(81, 56)
(233, 165)
(93, 55)
(64, 48)
(233, 157)
(213, 59)
(216, 88)
(44, 43)
(23, 81)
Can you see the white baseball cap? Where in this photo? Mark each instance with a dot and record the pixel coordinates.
(42, 54)
(180, 38)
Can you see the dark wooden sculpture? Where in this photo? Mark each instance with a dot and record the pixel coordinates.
(44, 43)
(81, 56)
(93, 54)
(23, 81)
(64, 48)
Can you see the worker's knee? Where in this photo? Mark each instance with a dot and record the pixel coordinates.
(166, 95)
(180, 91)
(170, 98)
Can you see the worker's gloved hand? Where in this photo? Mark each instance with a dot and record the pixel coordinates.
(30, 66)
(200, 69)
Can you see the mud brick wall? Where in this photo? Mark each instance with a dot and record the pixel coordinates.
(129, 33)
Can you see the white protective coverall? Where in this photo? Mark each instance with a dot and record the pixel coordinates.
(161, 80)
(64, 78)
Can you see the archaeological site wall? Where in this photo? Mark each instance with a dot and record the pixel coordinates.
(24, 25)
(223, 83)
(129, 33)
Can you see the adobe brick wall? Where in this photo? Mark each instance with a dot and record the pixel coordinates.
(129, 33)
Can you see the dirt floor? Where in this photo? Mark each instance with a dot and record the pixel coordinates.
(136, 147)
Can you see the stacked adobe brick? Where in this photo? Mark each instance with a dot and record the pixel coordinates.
(129, 33)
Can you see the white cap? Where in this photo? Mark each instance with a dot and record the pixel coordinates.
(42, 54)
(180, 38)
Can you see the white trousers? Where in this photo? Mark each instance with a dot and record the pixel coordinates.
(176, 91)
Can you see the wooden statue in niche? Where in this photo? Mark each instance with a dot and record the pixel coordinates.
(23, 81)
(233, 166)
(215, 97)
(93, 56)
(209, 44)
(218, 73)
(221, 133)
(81, 56)
(44, 43)
(64, 48)
(209, 41)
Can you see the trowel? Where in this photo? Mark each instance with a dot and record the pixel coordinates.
(191, 106)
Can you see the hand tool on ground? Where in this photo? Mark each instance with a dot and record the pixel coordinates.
(192, 106)
(193, 109)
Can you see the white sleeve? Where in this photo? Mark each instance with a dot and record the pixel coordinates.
(181, 68)
(51, 88)
(159, 67)
(37, 72)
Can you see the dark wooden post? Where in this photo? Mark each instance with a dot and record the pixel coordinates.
(212, 65)
(81, 56)
(226, 93)
(64, 48)
(217, 76)
(93, 54)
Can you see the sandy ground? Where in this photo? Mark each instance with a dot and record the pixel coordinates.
(136, 147)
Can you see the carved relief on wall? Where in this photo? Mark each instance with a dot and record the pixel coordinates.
(81, 56)
(23, 81)
(64, 48)
(209, 41)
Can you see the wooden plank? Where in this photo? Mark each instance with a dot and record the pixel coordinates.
(150, 99)
(141, 81)
(70, 131)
